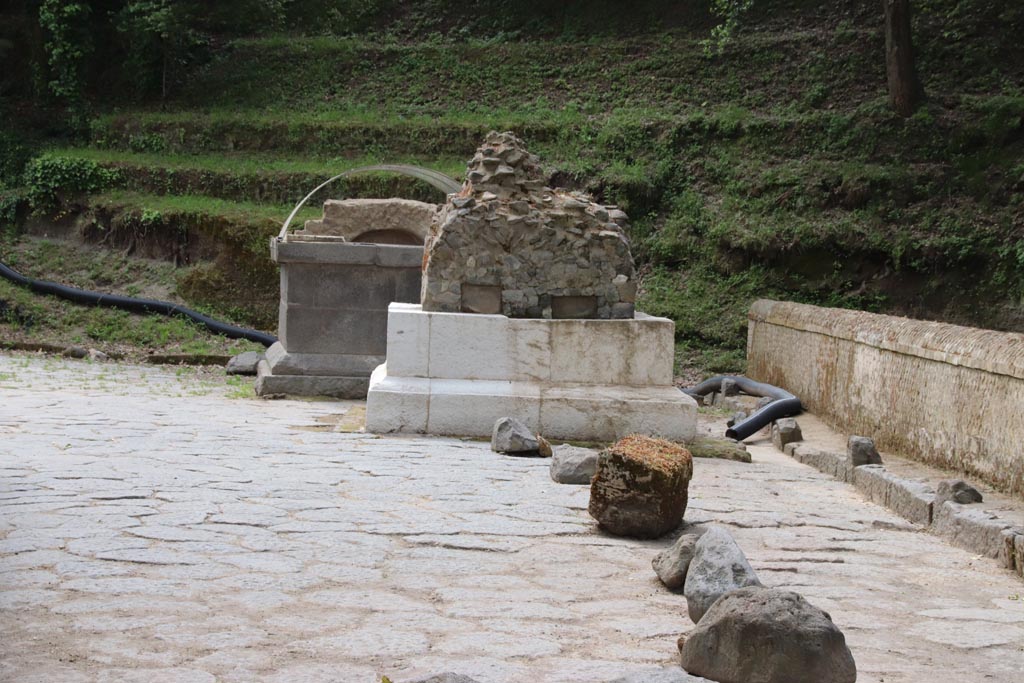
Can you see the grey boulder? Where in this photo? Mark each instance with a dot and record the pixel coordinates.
(860, 450)
(766, 635)
(785, 431)
(75, 352)
(243, 363)
(672, 563)
(958, 491)
(513, 436)
(718, 567)
(573, 465)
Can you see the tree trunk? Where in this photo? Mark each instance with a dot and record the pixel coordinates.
(905, 92)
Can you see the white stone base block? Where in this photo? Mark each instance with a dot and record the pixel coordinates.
(592, 380)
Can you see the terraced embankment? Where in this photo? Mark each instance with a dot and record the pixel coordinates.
(773, 169)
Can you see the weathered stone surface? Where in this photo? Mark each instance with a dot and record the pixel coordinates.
(666, 675)
(912, 500)
(672, 563)
(508, 244)
(971, 528)
(718, 567)
(512, 436)
(640, 488)
(447, 677)
(425, 535)
(785, 431)
(243, 363)
(1013, 549)
(958, 491)
(332, 323)
(573, 465)
(723, 449)
(764, 635)
(729, 387)
(860, 450)
(382, 221)
(829, 462)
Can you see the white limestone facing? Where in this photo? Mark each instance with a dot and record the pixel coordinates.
(456, 373)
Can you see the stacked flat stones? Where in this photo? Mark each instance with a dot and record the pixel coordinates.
(508, 244)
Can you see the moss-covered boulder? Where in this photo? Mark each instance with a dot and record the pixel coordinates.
(641, 487)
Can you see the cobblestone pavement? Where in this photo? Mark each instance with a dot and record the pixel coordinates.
(156, 529)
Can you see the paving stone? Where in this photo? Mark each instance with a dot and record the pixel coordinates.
(348, 538)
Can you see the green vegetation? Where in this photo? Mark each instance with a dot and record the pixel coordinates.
(39, 319)
(759, 159)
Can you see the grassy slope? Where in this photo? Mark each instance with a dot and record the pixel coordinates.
(774, 169)
(48, 320)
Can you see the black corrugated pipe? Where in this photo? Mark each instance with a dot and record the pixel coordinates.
(127, 303)
(784, 404)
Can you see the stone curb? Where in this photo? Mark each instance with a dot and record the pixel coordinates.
(965, 526)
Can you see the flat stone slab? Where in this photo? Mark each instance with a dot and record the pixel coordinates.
(268, 383)
(244, 543)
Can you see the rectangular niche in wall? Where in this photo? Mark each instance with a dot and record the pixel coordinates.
(481, 299)
(573, 307)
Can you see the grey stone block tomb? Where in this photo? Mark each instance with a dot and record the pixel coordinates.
(335, 292)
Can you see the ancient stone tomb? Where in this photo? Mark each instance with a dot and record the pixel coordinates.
(526, 311)
(338, 276)
(508, 244)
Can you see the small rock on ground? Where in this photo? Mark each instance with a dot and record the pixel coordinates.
(768, 636)
(860, 450)
(243, 363)
(718, 566)
(75, 352)
(785, 431)
(573, 465)
(513, 436)
(958, 491)
(672, 563)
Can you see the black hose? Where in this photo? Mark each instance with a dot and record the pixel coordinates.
(127, 303)
(784, 404)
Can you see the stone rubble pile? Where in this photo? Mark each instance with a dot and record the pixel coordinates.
(747, 633)
(508, 244)
(672, 564)
(718, 567)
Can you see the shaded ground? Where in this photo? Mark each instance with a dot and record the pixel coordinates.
(156, 529)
